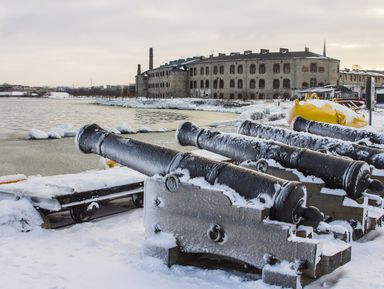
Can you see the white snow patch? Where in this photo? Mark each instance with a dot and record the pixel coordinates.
(124, 128)
(18, 216)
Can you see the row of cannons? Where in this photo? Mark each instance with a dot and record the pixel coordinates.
(282, 206)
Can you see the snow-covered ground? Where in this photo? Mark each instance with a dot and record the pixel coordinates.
(107, 253)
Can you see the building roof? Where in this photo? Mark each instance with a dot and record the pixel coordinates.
(363, 72)
(285, 54)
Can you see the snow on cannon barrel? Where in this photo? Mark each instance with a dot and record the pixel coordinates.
(337, 172)
(336, 131)
(289, 197)
(372, 156)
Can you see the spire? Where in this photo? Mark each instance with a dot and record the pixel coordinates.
(324, 49)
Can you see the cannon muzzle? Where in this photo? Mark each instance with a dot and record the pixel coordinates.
(288, 198)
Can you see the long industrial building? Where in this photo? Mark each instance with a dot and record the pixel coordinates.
(247, 75)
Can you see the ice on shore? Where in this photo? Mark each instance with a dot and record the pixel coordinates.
(124, 128)
(37, 134)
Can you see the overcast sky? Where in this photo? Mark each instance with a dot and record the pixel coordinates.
(76, 42)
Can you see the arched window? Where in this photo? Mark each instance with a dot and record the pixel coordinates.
(194, 84)
(221, 69)
(194, 71)
(232, 83)
(252, 69)
(232, 69)
(221, 83)
(261, 83)
(252, 84)
(207, 70)
(313, 67)
(215, 70)
(276, 84)
(313, 82)
(231, 96)
(262, 68)
(202, 70)
(240, 69)
(215, 84)
(286, 83)
(207, 84)
(276, 68)
(287, 67)
(239, 83)
(304, 84)
(201, 83)
(221, 95)
(304, 68)
(191, 72)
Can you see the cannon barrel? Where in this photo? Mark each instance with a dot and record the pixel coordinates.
(289, 198)
(337, 172)
(372, 156)
(336, 131)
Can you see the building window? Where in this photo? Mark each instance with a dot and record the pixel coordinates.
(207, 84)
(232, 83)
(252, 69)
(321, 69)
(304, 68)
(194, 84)
(215, 70)
(239, 83)
(252, 84)
(207, 70)
(321, 84)
(232, 69)
(261, 83)
(167, 73)
(221, 69)
(231, 96)
(276, 68)
(313, 82)
(261, 96)
(167, 84)
(215, 95)
(239, 96)
(286, 83)
(304, 84)
(276, 84)
(215, 84)
(239, 69)
(313, 67)
(221, 83)
(201, 70)
(194, 71)
(253, 96)
(262, 68)
(287, 67)
(201, 83)
(221, 95)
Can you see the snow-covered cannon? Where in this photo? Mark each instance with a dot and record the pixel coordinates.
(337, 131)
(337, 172)
(370, 155)
(289, 197)
(207, 213)
(288, 162)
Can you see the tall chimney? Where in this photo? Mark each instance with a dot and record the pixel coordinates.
(138, 69)
(150, 58)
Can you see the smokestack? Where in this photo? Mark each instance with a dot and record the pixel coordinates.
(150, 58)
(138, 69)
